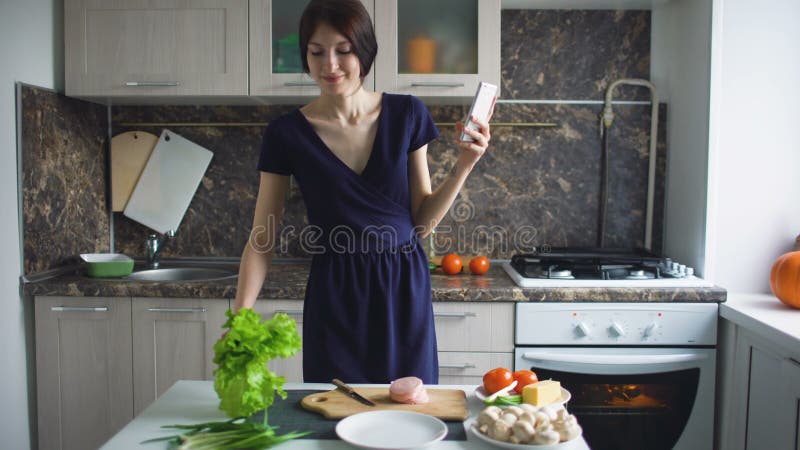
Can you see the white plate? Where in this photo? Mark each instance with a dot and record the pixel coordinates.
(565, 396)
(568, 445)
(391, 430)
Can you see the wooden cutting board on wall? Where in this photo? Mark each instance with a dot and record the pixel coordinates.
(446, 404)
(129, 154)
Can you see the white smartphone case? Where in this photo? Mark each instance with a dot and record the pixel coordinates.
(481, 105)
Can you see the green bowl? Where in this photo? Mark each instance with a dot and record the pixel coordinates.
(107, 265)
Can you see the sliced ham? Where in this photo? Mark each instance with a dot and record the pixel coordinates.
(408, 390)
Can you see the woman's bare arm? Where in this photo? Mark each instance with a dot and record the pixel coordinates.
(260, 246)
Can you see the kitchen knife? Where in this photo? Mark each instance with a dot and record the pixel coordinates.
(349, 391)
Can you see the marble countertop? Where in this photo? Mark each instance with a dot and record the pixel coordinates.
(765, 315)
(287, 280)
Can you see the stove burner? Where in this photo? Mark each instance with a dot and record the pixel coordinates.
(639, 274)
(560, 274)
(567, 263)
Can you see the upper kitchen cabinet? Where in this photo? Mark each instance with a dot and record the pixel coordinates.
(276, 67)
(134, 48)
(437, 48)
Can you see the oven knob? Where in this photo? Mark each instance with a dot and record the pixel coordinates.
(649, 330)
(582, 330)
(616, 330)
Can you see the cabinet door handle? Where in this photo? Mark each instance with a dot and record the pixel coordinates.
(457, 366)
(80, 308)
(299, 83)
(436, 84)
(291, 312)
(152, 83)
(177, 310)
(457, 315)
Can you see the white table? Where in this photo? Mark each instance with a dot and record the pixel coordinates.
(195, 401)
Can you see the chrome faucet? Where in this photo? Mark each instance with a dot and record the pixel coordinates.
(154, 246)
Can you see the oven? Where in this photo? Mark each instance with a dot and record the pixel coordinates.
(641, 375)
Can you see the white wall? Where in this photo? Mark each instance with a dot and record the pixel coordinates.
(31, 51)
(754, 169)
(680, 69)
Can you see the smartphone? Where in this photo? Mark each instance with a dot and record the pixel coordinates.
(481, 105)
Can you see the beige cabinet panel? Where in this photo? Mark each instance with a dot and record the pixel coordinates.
(469, 367)
(291, 368)
(437, 48)
(473, 326)
(163, 48)
(173, 339)
(275, 63)
(83, 370)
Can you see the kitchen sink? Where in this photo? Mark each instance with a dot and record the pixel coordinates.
(182, 274)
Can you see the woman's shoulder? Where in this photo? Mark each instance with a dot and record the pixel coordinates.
(405, 104)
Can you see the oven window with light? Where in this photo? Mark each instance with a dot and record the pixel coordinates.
(644, 411)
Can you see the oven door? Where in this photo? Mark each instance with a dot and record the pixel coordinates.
(633, 398)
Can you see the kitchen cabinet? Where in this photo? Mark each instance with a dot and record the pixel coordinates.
(472, 338)
(275, 64)
(138, 49)
(437, 48)
(173, 339)
(83, 370)
(290, 368)
(134, 48)
(759, 376)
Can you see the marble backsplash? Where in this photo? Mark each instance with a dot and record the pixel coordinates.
(63, 184)
(535, 186)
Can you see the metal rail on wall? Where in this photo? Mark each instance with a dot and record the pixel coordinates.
(263, 124)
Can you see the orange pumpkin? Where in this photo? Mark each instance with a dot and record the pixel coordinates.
(784, 279)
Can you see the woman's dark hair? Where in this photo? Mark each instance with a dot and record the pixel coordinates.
(349, 18)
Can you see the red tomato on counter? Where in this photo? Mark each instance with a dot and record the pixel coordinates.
(479, 265)
(496, 379)
(451, 264)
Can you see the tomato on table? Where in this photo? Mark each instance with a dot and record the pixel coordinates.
(524, 378)
(496, 379)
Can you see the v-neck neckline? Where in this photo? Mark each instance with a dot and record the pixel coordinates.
(333, 155)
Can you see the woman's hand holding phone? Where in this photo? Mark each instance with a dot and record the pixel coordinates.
(473, 138)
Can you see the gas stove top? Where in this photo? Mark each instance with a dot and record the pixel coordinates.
(598, 267)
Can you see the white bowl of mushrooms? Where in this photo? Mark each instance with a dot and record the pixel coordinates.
(527, 427)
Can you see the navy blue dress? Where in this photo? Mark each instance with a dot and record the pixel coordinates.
(367, 316)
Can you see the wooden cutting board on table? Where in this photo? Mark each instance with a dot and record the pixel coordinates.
(446, 404)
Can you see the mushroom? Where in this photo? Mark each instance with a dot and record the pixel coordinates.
(546, 437)
(489, 415)
(501, 431)
(508, 418)
(527, 407)
(569, 433)
(516, 410)
(542, 420)
(523, 432)
(527, 417)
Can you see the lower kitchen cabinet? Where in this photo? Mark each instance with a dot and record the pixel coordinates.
(291, 368)
(472, 338)
(83, 370)
(760, 392)
(173, 339)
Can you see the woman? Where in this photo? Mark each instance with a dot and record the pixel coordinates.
(359, 159)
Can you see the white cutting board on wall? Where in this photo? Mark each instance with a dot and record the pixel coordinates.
(168, 182)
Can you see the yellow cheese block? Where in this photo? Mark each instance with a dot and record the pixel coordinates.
(541, 393)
